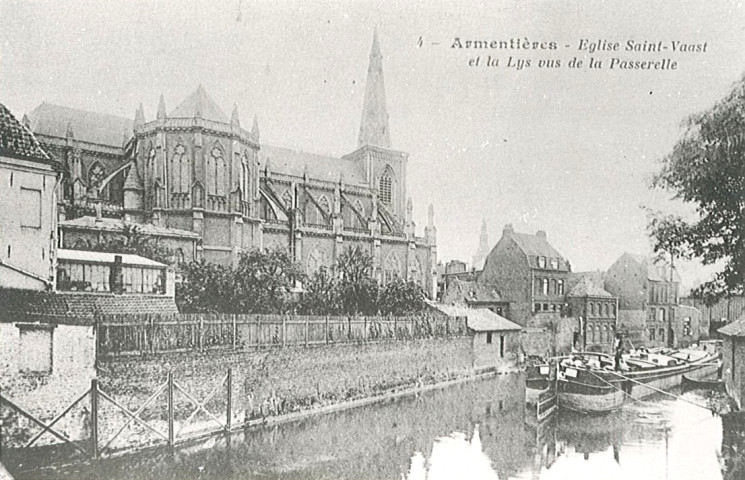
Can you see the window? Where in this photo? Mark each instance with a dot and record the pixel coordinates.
(653, 314)
(544, 290)
(96, 174)
(560, 287)
(30, 208)
(662, 334)
(324, 203)
(180, 170)
(541, 262)
(392, 268)
(488, 337)
(554, 264)
(651, 333)
(592, 309)
(287, 199)
(537, 307)
(687, 326)
(661, 313)
(613, 309)
(537, 286)
(386, 187)
(36, 345)
(554, 286)
(216, 175)
(501, 345)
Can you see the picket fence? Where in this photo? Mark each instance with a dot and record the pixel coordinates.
(119, 335)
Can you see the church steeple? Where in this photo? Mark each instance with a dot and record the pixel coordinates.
(483, 250)
(374, 125)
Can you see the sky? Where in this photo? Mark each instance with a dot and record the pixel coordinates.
(570, 151)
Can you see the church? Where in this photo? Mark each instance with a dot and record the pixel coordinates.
(207, 188)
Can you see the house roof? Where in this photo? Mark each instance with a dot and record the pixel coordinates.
(16, 140)
(461, 291)
(117, 225)
(77, 308)
(478, 319)
(321, 167)
(535, 246)
(106, 257)
(586, 287)
(734, 329)
(657, 271)
(53, 120)
(200, 104)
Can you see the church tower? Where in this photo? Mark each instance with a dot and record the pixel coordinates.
(483, 250)
(374, 124)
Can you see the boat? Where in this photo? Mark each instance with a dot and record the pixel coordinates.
(540, 389)
(588, 382)
(692, 384)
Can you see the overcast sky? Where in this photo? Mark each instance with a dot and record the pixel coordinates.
(568, 151)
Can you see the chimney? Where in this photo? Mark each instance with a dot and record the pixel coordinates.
(116, 276)
(541, 234)
(508, 230)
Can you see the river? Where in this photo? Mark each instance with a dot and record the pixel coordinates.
(476, 430)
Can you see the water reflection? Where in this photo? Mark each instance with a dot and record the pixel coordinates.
(474, 430)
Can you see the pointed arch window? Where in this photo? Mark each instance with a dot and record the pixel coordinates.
(216, 174)
(316, 261)
(287, 199)
(392, 268)
(246, 176)
(324, 203)
(180, 170)
(386, 186)
(95, 174)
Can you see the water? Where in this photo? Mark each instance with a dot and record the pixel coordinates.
(474, 430)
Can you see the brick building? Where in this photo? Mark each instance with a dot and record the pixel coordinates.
(194, 170)
(596, 309)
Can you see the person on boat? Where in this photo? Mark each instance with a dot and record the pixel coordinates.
(618, 349)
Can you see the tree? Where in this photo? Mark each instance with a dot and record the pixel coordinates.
(321, 296)
(133, 241)
(264, 280)
(706, 168)
(357, 289)
(206, 288)
(399, 297)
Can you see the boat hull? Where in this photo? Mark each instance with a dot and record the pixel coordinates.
(589, 391)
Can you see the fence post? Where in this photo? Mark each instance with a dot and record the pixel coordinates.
(349, 328)
(152, 334)
(169, 400)
(395, 328)
(326, 332)
(201, 331)
(306, 332)
(235, 332)
(229, 419)
(364, 334)
(284, 331)
(258, 332)
(94, 416)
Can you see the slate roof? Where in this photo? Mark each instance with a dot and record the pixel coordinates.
(478, 319)
(461, 291)
(52, 120)
(535, 246)
(117, 225)
(74, 308)
(586, 287)
(133, 180)
(16, 140)
(734, 329)
(199, 103)
(321, 167)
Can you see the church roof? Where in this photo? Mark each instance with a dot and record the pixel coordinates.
(199, 103)
(53, 120)
(320, 167)
(16, 140)
(374, 124)
(586, 287)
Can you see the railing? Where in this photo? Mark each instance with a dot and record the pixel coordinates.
(181, 200)
(148, 334)
(357, 230)
(217, 203)
(320, 226)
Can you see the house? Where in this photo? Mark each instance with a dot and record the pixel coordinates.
(529, 273)
(596, 310)
(475, 295)
(496, 341)
(733, 359)
(724, 311)
(647, 291)
(28, 198)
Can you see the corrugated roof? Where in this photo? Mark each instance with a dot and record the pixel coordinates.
(16, 140)
(52, 120)
(199, 103)
(106, 257)
(586, 287)
(734, 329)
(320, 167)
(478, 319)
(117, 225)
(77, 308)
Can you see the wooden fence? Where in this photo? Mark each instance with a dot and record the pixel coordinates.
(145, 334)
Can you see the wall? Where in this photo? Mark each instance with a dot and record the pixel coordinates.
(23, 245)
(627, 280)
(632, 324)
(507, 268)
(489, 354)
(733, 349)
(46, 395)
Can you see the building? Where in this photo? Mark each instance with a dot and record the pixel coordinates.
(647, 292)
(733, 359)
(596, 310)
(194, 170)
(529, 273)
(28, 197)
(475, 295)
(721, 313)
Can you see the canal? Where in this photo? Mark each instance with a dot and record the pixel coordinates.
(472, 430)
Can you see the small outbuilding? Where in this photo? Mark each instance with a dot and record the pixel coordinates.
(733, 357)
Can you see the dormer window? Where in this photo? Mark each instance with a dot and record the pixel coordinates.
(541, 262)
(554, 264)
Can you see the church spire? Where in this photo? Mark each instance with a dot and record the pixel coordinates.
(374, 125)
(234, 118)
(255, 127)
(483, 250)
(161, 108)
